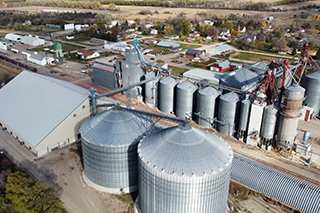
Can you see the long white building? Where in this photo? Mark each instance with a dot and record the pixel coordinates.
(43, 113)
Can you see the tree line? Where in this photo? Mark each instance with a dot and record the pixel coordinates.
(20, 193)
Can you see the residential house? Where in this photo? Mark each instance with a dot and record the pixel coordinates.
(251, 38)
(188, 39)
(195, 34)
(191, 53)
(147, 26)
(153, 32)
(171, 46)
(208, 22)
(224, 34)
(240, 29)
(220, 66)
(87, 54)
(171, 36)
(208, 39)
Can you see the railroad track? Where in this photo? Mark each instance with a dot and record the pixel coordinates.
(280, 169)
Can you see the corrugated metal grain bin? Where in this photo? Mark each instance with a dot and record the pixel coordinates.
(183, 170)
(109, 148)
(227, 113)
(184, 99)
(312, 86)
(166, 94)
(206, 103)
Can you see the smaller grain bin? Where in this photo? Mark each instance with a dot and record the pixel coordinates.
(228, 107)
(243, 119)
(268, 125)
(109, 147)
(151, 90)
(206, 103)
(183, 170)
(166, 94)
(312, 86)
(185, 99)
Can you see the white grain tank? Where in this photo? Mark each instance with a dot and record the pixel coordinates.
(312, 86)
(184, 99)
(206, 102)
(227, 113)
(109, 144)
(166, 94)
(183, 170)
(243, 119)
(151, 90)
(268, 125)
(290, 114)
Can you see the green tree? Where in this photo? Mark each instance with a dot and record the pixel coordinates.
(294, 51)
(186, 27)
(91, 30)
(235, 33)
(318, 54)
(30, 196)
(101, 25)
(138, 21)
(169, 30)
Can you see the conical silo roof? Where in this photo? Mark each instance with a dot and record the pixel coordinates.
(185, 151)
(314, 75)
(115, 127)
(230, 97)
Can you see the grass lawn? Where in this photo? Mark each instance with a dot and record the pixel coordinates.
(177, 70)
(197, 66)
(2, 35)
(190, 46)
(254, 57)
(7, 72)
(77, 38)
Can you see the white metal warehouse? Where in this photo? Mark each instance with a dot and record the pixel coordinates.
(43, 113)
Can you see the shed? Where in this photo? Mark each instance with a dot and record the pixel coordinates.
(38, 59)
(32, 41)
(171, 46)
(87, 54)
(220, 66)
(13, 37)
(222, 49)
(192, 53)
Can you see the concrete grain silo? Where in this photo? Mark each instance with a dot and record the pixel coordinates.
(109, 149)
(289, 115)
(183, 170)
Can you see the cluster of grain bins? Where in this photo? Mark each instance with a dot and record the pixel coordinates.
(171, 167)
